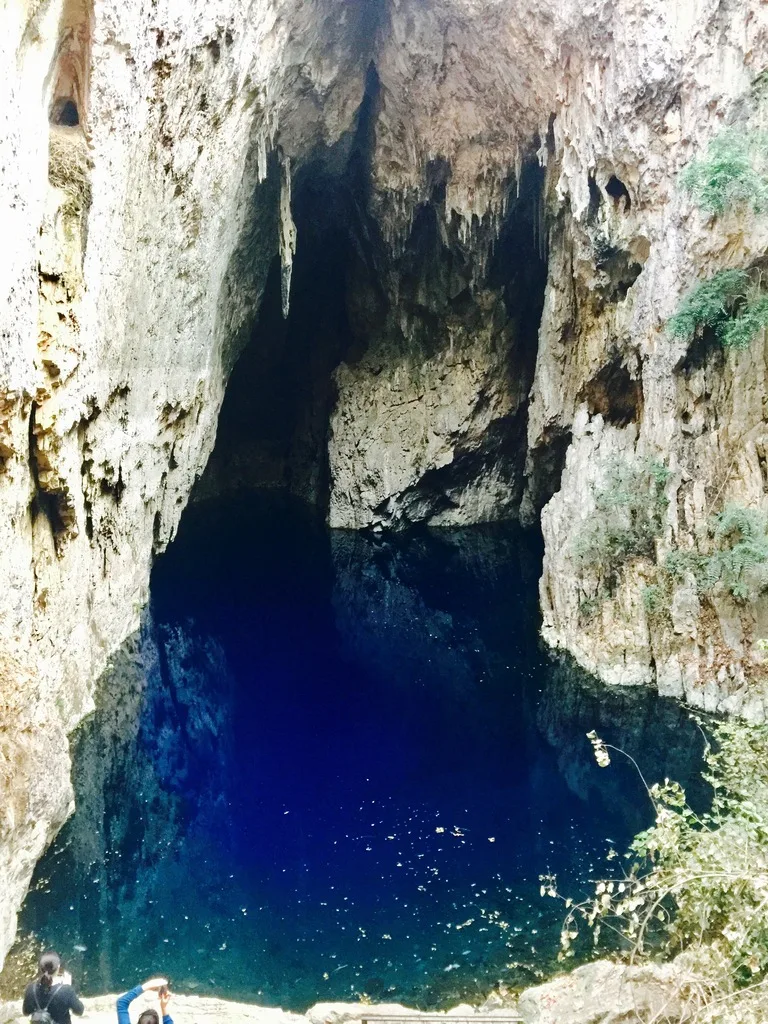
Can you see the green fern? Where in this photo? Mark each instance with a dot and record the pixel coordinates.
(759, 86)
(744, 532)
(709, 304)
(654, 600)
(733, 172)
(739, 333)
(730, 304)
(739, 561)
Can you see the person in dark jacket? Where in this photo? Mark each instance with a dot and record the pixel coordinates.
(159, 985)
(52, 991)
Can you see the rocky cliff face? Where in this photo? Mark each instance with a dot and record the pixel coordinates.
(135, 158)
(157, 160)
(613, 381)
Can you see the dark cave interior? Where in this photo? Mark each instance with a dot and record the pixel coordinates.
(349, 290)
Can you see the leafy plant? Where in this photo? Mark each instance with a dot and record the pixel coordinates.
(588, 608)
(696, 886)
(739, 332)
(739, 560)
(732, 172)
(654, 599)
(628, 517)
(729, 304)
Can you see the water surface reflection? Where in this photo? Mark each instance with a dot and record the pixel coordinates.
(332, 765)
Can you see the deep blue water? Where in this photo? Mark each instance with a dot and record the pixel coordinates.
(333, 765)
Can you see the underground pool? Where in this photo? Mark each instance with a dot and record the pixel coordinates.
(334, 766)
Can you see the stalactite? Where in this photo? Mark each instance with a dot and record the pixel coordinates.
(287, 233)
(261, 157)
(265, 143)
(397, 216)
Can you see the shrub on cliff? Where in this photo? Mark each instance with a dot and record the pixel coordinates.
(739, 559)
(628, 517)
(730, 304)
(734, 171)
(696, 885)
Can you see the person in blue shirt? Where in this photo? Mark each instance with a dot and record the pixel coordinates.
(159, 985)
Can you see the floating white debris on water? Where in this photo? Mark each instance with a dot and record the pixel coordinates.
(258, 894)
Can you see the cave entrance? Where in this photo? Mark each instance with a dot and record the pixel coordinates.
(397, 385)
(272, 431)
(328, 753)
(65, 113)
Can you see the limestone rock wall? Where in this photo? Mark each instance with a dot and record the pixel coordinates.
(615, 100)
(143, 233)
(612, 381)
(147, 155)
(429, 423)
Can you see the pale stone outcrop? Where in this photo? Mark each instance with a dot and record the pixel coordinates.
(598, 993)
(607, 993)
(613, 382)
(429, 425)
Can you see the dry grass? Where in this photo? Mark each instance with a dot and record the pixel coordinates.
(69, 164)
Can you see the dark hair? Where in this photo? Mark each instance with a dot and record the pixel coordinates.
(48, 964)
(149, 1017)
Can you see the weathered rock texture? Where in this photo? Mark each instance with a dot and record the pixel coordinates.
(429, 423)
(143, 236)
(611, 380)
(148, 154)
(607, 993)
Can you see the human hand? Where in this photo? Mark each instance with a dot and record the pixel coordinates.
(165, 998)
(154, 984)
(66, 977)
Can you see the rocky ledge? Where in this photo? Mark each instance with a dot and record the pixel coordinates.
(597, 993)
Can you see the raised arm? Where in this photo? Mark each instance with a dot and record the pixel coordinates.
(123, 1003)
(165, 998)
(125, 1000)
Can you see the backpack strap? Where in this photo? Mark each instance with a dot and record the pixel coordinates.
(54, 990)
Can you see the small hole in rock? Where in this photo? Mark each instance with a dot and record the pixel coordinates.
(617, 190)
(65, 113)
(614, 394)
